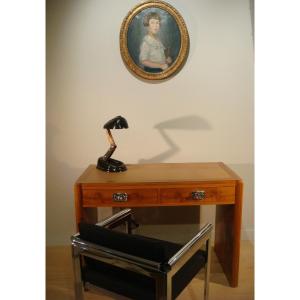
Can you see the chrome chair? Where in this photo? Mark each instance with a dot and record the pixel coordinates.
(136, 266)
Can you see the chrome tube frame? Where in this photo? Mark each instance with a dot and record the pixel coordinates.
(207, 269)
(140, 265)
(122, 260)
(121, 216)
(189, 249)
(78, 283)
(105, 254)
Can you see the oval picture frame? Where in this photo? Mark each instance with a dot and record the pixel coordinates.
(144, 52)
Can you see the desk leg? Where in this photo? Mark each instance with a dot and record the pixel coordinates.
(86, 214)
(228, 235)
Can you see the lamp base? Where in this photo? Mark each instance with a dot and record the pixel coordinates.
(110, 165)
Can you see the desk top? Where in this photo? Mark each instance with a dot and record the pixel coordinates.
(161, 173)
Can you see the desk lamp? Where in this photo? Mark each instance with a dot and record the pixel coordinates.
(105, 163)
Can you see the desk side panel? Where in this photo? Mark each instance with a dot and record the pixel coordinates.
(228, 235)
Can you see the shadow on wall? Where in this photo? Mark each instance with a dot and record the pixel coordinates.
(172, 215)
(192, 122)
(60, 214)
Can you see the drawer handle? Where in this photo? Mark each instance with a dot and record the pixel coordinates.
(120, 197)
(198, 195)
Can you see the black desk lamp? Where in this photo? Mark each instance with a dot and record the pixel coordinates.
(106, 163)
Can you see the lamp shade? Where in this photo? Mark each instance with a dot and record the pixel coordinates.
(116, 123)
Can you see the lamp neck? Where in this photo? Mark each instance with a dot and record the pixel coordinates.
(112, 147)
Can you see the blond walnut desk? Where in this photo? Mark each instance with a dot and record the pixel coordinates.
(180, 184)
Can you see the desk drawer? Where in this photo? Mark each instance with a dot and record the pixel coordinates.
(119, 197)
(197, 194)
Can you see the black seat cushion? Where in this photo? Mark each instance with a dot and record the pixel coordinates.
(129, 283)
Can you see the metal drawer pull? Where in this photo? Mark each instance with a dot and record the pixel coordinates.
(198, 195)
(120, 197)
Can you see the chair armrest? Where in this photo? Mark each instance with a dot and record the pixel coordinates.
(112, 221)
(116, 219)
(118, 258)
(191, 247)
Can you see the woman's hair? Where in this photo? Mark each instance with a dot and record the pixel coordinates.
(152, 15)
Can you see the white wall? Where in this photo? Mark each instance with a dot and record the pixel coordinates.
(206, 109)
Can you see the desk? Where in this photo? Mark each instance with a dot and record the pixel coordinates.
(165, 184)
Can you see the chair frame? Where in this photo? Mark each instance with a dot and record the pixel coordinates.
(140, 265)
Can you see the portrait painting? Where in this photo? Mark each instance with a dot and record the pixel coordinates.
(154, 40)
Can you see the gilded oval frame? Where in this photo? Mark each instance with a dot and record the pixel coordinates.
(183, 49)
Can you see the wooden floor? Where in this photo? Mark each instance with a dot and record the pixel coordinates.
(59, 279)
